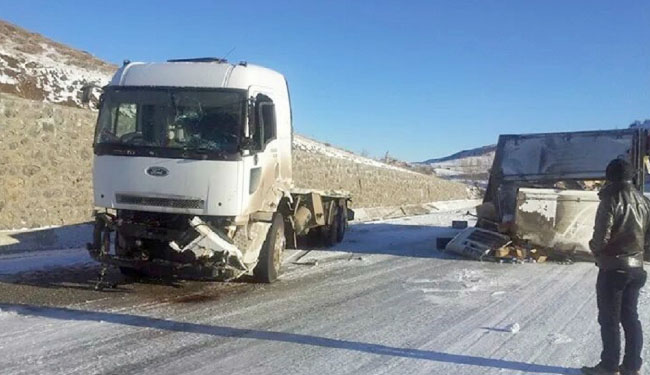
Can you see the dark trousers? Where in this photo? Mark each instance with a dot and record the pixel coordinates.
(618, 295)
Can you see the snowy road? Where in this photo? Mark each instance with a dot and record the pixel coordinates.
(382, 302)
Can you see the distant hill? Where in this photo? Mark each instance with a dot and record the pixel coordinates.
(468, 166)
(479, 151)
(35, 67)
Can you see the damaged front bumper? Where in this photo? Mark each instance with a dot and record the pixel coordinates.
(208, 255)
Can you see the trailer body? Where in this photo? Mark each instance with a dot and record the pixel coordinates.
(543, 188)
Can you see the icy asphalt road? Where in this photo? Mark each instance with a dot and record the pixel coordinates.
(382, 302)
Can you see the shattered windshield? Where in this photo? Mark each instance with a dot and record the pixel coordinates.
(172, 118)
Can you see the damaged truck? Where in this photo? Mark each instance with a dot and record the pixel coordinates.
(542, 193)
(192, 173)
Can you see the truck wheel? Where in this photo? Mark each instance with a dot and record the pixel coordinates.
(270, 260)
(343, 223)
(331, 232)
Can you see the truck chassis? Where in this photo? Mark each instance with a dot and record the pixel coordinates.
(217, 248)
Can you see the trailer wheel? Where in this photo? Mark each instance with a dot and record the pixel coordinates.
(343, 223)
(270, 260)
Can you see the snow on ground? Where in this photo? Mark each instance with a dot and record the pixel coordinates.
(40, 260)
(384, 301)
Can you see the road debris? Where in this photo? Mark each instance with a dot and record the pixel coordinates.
(513, 328)
(477, 243)
(485, 245)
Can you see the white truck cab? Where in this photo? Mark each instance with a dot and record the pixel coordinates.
(192, 172)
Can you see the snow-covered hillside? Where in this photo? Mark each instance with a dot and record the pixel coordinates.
(471, 166)
(34, 67)
(309, 145)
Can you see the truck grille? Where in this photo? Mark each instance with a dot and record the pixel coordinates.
(160, 202)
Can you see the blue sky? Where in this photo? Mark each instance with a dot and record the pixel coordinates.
(418, 79)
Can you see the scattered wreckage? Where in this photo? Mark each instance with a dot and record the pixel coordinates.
(192, 173)
(542, 195)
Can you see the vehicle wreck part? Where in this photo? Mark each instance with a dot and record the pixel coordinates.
(208, 243)
(559, 219)
(317, 209)
(441, 242)
(571, 160)
(562, 156)
(459, 224)
(269, 264)
(476, 243)
(301, 219)
(343, 222)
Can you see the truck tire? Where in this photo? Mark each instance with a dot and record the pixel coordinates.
(330, 232)
(270, 260)
(343, 223)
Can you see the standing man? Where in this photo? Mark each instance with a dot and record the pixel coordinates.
(618, 244)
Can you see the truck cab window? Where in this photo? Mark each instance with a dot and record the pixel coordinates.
(173, 120)
(265, 124)
(125, 119)
(268, 121)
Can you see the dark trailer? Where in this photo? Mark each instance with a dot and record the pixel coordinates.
(543, 188)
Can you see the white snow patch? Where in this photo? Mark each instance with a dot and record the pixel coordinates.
(420, 281)
(7, 80)
(513, 328)
(559, 338)
(59, 80)
(39, 260)
(4, 314)
(309, 145)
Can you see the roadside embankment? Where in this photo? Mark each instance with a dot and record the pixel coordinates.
(45, 163)
(371, 183)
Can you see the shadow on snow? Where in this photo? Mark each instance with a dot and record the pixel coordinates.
(293, 338)
(394, 239)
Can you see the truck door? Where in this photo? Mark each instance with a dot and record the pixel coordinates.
(263, 164)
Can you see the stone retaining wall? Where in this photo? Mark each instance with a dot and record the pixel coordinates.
(45, 163)
(369, 185)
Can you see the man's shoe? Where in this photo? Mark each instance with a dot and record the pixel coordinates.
(628, 372)
(599, 370)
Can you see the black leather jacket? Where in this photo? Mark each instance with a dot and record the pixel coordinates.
(621, 233)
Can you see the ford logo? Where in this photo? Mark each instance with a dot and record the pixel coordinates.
(157, 171)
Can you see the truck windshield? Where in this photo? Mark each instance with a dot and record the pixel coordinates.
(171, 119)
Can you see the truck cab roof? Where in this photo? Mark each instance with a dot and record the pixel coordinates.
(201, 72)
